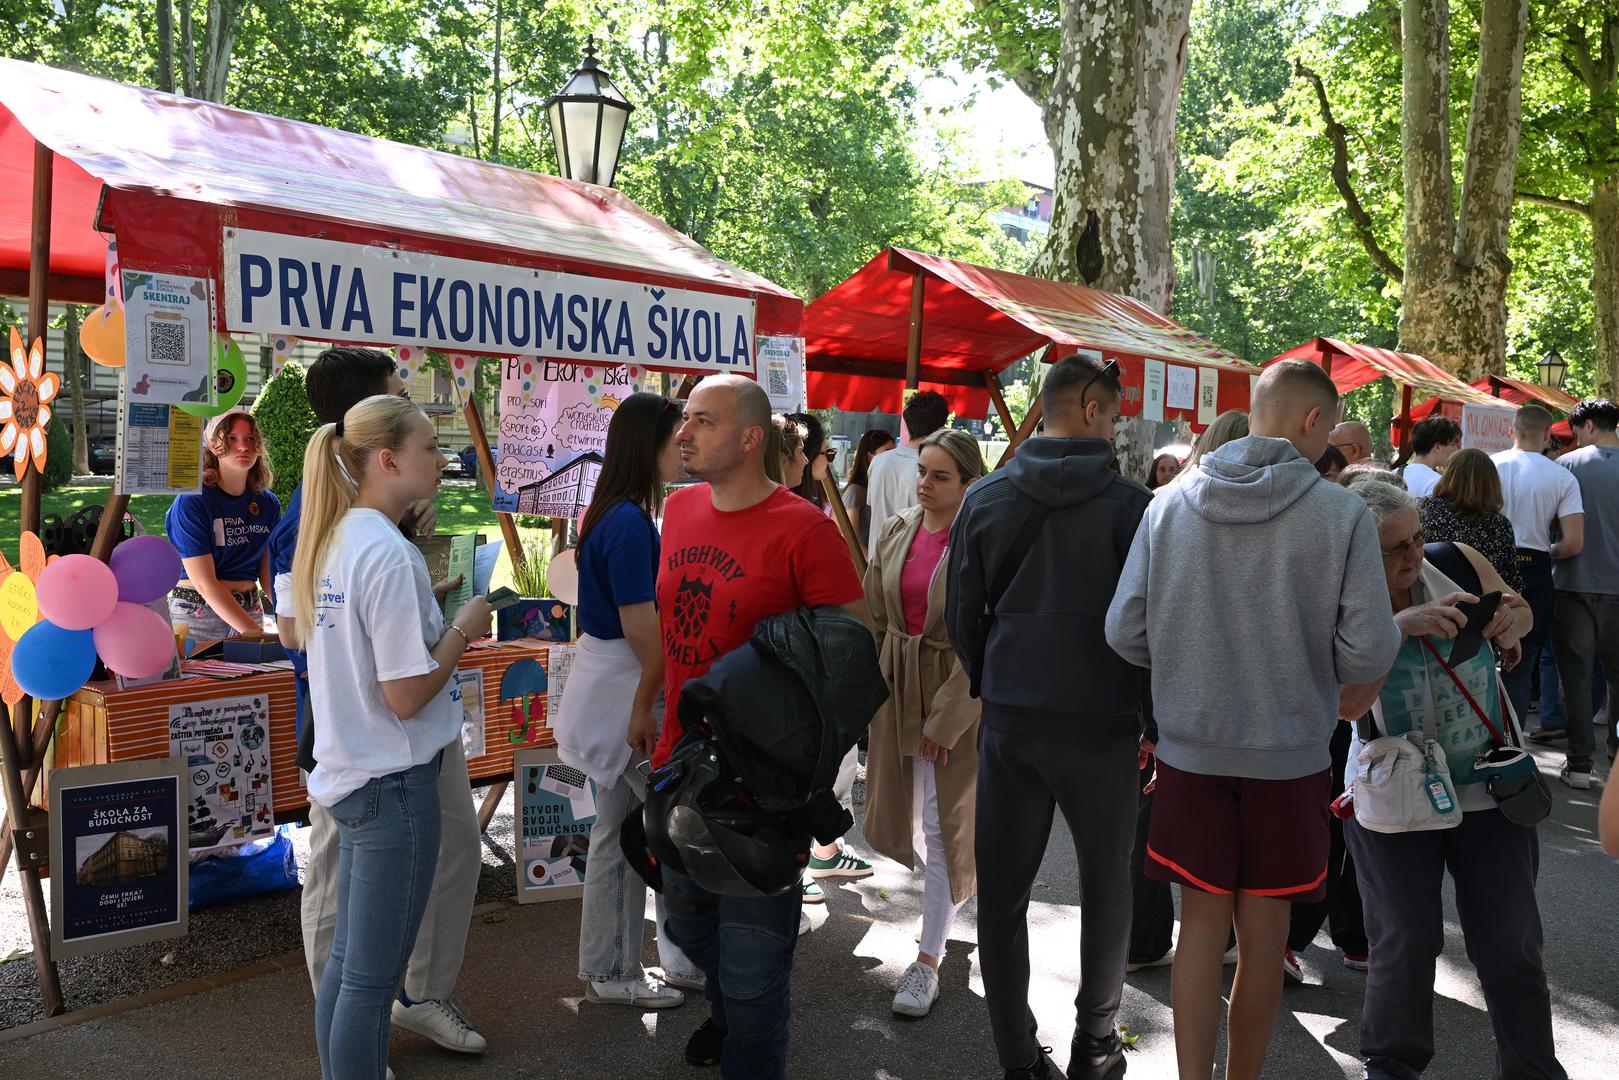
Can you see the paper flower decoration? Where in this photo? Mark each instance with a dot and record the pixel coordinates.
(26, 391)
(19, 610)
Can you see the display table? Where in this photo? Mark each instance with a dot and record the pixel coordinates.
(103, 724)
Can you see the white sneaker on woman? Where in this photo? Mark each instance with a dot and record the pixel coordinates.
(918, 990)
(441, 1021)
(643, 993)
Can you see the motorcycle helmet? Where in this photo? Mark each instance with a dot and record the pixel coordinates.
(700, 822)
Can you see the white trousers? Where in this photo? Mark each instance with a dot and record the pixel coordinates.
(435, 962)
(927, 839)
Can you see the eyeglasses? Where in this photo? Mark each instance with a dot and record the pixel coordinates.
(1404, 546)
(1110, 372)
(831, 453)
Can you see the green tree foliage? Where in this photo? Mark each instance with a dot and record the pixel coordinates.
(286, 421)
(58, 457)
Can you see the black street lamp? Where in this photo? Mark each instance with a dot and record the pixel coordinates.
(1553, 370)
(588, 118)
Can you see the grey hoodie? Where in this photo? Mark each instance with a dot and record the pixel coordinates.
(1253, 589)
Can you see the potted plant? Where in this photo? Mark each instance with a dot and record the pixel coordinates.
(535, 615)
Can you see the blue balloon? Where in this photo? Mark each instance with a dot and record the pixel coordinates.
(51, 663)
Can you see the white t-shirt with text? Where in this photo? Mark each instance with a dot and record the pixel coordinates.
(376, 620)
(1536, 492)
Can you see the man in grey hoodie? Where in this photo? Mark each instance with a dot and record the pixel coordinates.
(1254, 589)
(1061, 711)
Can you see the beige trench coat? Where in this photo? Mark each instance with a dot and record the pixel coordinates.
(923, 676)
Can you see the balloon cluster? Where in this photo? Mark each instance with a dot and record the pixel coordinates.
(92, 607)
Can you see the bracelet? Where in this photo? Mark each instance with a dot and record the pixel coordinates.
(462, 632)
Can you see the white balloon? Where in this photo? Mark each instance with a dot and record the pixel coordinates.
(562, 577)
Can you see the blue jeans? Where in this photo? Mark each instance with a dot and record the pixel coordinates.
(1552, 717)
(745, 947)
(388, 834)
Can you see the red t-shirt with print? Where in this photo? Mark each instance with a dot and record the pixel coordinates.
(720, 572)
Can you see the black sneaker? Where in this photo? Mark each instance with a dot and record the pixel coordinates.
(1042, 1069)
(1548, 735)
(703, 1048)
(1097, 1059)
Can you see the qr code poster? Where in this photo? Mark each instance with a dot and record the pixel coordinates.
(781, 371)
(169, 324)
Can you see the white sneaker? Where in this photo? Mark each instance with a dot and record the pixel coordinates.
(643, 993)
(390, 1073)
(1163, 961)
(1229, 958)
(441, 1021)
(697, 982)
(1580, 779)
(918, 990)
(804, 924)
(1291, 966)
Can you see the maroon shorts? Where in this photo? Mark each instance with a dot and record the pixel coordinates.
(1229, 834)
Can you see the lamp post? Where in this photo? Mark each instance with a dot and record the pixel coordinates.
(1553, 370)
(588, 119)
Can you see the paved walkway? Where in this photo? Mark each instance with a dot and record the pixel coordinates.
(519, 985)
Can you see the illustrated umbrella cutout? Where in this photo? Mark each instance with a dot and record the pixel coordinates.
(26, 391)
(523, 678)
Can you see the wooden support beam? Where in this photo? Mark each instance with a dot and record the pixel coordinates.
(683, 391)
(43, 729)
(33, 895)
(845, 526)
(1001, 410)
(1024, 430)
(107, 529)
(1404, 446)
(39, 305)
(491, 803)
(486, 466)
(913, 348)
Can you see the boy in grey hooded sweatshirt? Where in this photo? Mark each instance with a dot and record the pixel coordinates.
(1253, 590)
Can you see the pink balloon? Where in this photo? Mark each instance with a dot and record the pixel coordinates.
(135, 641)
(77, 591)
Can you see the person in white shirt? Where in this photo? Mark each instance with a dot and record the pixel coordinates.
(1434, 442)
(382, 670)
(891, 484)
(1538, 494)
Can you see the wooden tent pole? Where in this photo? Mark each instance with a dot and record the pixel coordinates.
(845, 526)
(913, 349)
(486, 465)
(42, 741)
(1025, 429)
(994, 386)
(1405, 426)
(16, 732)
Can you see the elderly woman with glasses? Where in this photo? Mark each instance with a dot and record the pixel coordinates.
(1492, 861)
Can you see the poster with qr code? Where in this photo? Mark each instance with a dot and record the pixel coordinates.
(169, 324)
(159, 449)
(781, 371)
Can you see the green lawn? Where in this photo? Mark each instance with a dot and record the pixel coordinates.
(462, 509)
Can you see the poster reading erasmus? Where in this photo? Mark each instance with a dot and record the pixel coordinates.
(118, 852)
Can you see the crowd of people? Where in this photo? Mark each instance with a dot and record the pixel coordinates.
(1054, 637)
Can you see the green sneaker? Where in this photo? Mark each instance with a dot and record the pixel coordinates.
(813, 893)
(843, 865)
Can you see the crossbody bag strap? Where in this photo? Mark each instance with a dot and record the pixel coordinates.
(1494, 734)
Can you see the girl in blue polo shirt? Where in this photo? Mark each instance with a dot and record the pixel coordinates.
(223, 534)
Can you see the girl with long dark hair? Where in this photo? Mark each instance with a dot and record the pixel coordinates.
(812, 486)
(608, 718)
(875, 441)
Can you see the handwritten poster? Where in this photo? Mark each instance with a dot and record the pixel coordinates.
(1182, 387)
(225, 743)
(564, 413)
(1486, 428)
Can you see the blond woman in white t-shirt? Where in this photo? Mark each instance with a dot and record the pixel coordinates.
(381, 667)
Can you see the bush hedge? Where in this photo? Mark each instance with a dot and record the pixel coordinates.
(286, 422)
(58, 455)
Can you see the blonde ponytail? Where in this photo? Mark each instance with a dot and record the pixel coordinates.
(333, 467)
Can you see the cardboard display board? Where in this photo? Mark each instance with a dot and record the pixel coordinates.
(556, 808)
(118, 846)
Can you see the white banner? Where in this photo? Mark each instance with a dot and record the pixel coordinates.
(1152, 389)
(1487, 427)
(332, 291)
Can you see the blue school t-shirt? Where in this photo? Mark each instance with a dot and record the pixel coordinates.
(618, 566)
(234, 529)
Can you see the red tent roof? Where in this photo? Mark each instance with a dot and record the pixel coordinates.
(178, 170)
(1353, 366)
(977, 321)
(1511, 392)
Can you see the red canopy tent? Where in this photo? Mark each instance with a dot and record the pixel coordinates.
(1504, 390)
(951, 326)
(1353, 366)
(178, 181)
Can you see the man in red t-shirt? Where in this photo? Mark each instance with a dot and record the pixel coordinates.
(735, 550)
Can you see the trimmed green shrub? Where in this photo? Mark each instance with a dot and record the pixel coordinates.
(286, 421)
(58, 455)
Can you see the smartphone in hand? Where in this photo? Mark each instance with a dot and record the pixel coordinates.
(1471, 638)
(502, 597)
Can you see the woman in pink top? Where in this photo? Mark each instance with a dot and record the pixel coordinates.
(921, 776)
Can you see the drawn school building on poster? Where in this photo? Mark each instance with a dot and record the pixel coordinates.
(125, 857)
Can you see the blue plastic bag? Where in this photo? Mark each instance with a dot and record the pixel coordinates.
(252, 870)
